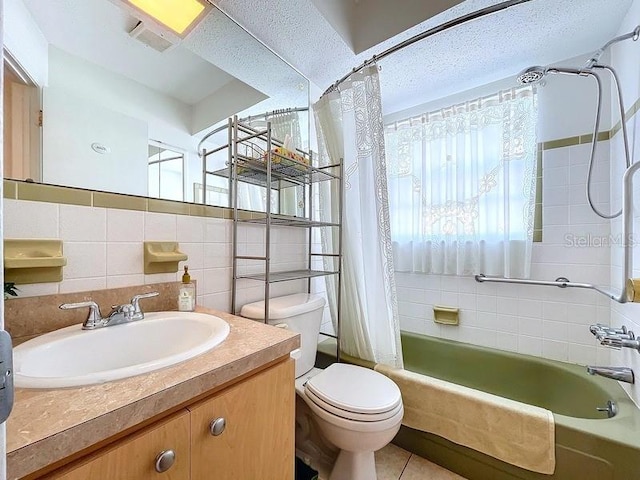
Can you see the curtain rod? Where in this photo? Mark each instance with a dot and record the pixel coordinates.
(273, 112)
(427, 33)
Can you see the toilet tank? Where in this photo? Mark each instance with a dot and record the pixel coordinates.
(301, 313)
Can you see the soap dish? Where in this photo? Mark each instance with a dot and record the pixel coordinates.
(162, 257)
(33, 261)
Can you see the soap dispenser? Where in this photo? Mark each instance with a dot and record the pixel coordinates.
(187, 294)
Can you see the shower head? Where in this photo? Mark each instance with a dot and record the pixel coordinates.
(531, 75)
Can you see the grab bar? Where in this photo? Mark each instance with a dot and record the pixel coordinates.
(560, 282)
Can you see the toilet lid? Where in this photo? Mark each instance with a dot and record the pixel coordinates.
(355, 389)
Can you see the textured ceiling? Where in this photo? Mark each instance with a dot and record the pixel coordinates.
(480, 52)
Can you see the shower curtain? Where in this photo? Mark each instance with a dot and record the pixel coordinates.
(349, 126)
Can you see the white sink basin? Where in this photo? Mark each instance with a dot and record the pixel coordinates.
(71, 357)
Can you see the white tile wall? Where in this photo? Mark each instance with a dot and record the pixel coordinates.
(542, 321)
(104, 249)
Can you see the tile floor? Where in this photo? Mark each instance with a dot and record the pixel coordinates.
(394, 463)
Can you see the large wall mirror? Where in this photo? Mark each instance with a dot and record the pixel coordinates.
(124, 103)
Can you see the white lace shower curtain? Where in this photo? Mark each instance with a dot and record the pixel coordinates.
(462, 187)
(349, 125)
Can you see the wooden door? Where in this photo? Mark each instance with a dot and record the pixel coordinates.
(21, 128)
(258, 439)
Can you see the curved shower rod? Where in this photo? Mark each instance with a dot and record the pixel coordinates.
(428, 33)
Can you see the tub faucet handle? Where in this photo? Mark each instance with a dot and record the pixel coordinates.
(601, 330)
(611, 341)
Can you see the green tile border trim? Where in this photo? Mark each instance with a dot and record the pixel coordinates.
(561, 143)
(38, 192)
(9, 189)
(123, 202)
(53, 194)
(167, 206)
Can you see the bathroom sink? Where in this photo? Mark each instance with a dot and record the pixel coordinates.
(72, 357)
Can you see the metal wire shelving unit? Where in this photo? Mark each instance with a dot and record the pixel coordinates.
(254, 158)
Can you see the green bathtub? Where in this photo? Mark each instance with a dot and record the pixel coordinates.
(589, 446)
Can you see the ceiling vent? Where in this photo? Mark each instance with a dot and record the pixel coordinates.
(150, 38)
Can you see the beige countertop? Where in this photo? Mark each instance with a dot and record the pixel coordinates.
(46, 426)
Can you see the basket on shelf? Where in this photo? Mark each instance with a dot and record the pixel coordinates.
(282, 159)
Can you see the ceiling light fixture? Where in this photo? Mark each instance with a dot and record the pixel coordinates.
(180, 16)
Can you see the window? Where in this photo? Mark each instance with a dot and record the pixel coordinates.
(462, 186)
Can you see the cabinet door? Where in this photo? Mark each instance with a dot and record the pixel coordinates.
(257, 442)
(134, 458)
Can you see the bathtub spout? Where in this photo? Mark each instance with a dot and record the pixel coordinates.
(622, 374)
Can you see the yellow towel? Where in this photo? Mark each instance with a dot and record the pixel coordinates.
(514, 432)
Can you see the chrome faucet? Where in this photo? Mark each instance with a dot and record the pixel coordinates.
(615, 337)
(622, 374)
(128, 312)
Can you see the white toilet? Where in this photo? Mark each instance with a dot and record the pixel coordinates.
(357, 410)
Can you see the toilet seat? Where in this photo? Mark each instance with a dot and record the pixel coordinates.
(358, 417)
(355, 425)
(354, 393)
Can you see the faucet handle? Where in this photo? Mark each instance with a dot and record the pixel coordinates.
(611, 341)
(135, 301)
(94, 310)
(600, 329)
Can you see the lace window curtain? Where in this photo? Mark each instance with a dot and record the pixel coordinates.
(462, 187)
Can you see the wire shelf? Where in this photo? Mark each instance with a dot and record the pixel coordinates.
(289, 221)
(275, 277)
(287, 173)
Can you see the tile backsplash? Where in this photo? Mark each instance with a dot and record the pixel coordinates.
(104, 249)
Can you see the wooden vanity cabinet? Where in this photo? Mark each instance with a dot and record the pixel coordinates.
(253, 437)
(257, 441)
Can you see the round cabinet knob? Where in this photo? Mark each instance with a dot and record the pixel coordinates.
(165, 460)
(216, 427)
